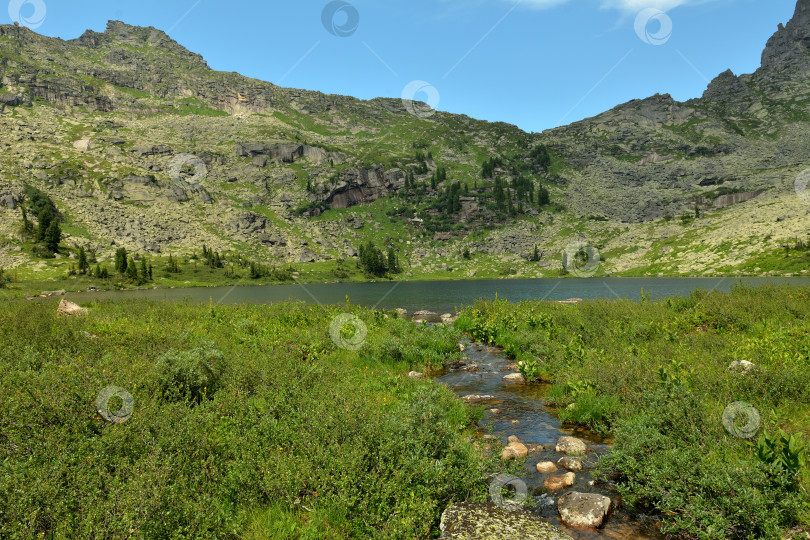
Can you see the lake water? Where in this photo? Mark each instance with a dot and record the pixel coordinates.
(443, 296)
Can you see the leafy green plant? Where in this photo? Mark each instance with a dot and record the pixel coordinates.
(788, 453)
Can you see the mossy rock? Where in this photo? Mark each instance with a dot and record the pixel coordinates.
(490, 521)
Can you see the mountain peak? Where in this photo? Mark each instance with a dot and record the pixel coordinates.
(118, 32)
(790, 45)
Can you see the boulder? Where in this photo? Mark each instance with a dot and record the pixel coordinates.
(448, 318)
(741, 366)
(514, 378)
(546, 467)
(515, 449)
(490, 521)
(401, 312)
(571, 445)
(559, 481)
(569, 463)
(583, 509)
(307, 257)
(69, 308)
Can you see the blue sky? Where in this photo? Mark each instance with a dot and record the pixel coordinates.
(534, 63)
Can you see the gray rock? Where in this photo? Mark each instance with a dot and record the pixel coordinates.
(571, 445)
(742, 366)
(585, 510)
(307, 257)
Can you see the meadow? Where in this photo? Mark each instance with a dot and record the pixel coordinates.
(227, 422)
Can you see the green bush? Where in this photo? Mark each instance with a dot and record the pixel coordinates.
(191, 375)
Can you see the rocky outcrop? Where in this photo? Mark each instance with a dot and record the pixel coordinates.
(730, 199)
(358, 186)
(489, 521)
(787, 50)
(285, 153)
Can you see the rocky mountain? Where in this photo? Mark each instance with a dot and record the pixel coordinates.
(142, 145)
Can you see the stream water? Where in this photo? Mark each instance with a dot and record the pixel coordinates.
(525, 414)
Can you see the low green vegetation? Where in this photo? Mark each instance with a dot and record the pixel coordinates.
(227, 422)
(656, 377)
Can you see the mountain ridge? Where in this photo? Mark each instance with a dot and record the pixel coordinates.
(291, 172)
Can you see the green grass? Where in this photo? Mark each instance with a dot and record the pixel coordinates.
(655, 377)
(248, 422)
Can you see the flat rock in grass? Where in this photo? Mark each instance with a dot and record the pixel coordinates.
(69, 308)
(559, 481)
(583, 510)
(416, 375)
(569, 463)
(546, 467)
(514, 378)
(571, 446)
(490, 521)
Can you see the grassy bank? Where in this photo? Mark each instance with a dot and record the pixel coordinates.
(247, 422)
(656, 377)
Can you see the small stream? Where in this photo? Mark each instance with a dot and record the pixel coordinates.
(525, 414)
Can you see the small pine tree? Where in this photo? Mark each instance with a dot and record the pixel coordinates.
(143, 273)
(84, 266)
(542, 196)
(26, 228)
(132, 270)
(53, 235)
(393, 264)
(121, 260)
(44, 221)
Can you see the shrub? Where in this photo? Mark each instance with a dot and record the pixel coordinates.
(191, 375)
